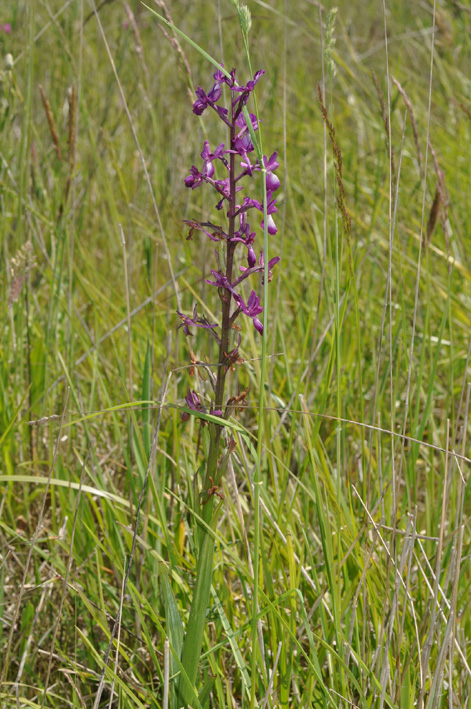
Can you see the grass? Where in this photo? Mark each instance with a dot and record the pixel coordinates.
(364, 537)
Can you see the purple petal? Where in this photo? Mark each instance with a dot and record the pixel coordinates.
(258, 325)
(273, 181)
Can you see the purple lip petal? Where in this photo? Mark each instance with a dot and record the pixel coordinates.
(273, 181)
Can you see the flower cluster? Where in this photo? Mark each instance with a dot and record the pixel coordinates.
(224, 168)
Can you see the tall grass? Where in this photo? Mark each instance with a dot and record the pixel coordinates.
(363, 536)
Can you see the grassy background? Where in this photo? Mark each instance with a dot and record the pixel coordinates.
(365, 536)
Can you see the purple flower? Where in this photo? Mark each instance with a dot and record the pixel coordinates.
(242, 123)
(247, 166)
(271, 226)
(252, 309)
(247, 204)
(193, 402)
(246, 237)
(224, 189)
(219, 77)
(271, 209)
(244, 92)
(195, 321)
(194, 179)
(272, 163)
(220, 281)
(6, 27)
(260, 268)
(243, 142)
(204, 100)
(273, 182)
(208, 157)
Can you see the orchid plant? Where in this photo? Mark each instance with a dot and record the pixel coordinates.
(227, 170)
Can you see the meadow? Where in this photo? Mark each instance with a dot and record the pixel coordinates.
(342, 538)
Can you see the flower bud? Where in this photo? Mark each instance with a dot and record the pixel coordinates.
(9, 62)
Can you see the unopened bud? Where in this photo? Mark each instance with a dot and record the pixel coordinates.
(9, 62)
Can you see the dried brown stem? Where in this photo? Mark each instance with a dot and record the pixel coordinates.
(51, 122)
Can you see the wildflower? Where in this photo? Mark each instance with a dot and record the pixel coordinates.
(252, 309)
(272, 180)
(246, 237)
(220, 281)
(193, 402)
(204, 100)
(257, 269)
(271, 209)
(194, 179)
(208, 157)
(6, 27)
(245, 91)
(195, 321)
(243, 141)
(237, 232)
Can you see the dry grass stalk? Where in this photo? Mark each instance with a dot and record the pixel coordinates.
(464, 108)
(408, 103)
(387, 130)
(72, 101)
(137, 37)
(51, 122)
(433, 216)
(341, 201)
(177, 47)
(444, 196)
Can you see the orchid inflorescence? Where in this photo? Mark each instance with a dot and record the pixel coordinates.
(238, 231)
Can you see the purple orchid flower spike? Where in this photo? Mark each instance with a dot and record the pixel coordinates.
(234, 236)
(252, 309)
